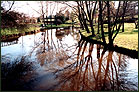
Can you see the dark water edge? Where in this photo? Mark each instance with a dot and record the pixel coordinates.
(125, 51)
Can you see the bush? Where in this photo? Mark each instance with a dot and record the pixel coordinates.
(60, 19)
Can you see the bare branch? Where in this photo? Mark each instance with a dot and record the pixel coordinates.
(10, 7)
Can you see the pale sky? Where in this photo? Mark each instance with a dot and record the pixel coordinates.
(28, 6)
(24, 8)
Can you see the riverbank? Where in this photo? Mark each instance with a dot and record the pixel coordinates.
(9, 34)
(122, 50)
(127, 39)
(60, 26)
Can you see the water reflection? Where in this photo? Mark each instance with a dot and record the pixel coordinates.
(83, 67)
(54, 49)
(95, 69)
(68, 63)
(15, 41)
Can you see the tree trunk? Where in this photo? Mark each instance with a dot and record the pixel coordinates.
(44, 20)
(92, 29)
(136, 25)
(123, 19)
(123, 24)
(101, 21)
(98, 25)
(109, 25)
(86, 26)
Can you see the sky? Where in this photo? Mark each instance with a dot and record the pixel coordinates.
(27, 8)
(30, 7)
(22, 7)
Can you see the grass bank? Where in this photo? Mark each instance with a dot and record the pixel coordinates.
(61, 25)
(9, 34)
(28, 28)
(17, 30)
(127, 39)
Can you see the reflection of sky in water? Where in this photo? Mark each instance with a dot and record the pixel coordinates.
(23, 47)
(132, 70)
(27, 43)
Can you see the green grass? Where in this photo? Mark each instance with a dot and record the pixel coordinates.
(57, 26)
(11, 31)
(30, 27)
(127, 39)
(61, 25)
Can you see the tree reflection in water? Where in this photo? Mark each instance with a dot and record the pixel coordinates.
(96, 68)
(53, 51)
(88, 67)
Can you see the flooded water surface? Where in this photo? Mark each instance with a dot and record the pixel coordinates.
(62, 61)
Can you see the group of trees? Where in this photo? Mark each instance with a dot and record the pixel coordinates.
(132, 13)
(11, 18)
(8, 18)
(46, 12)
(61, 18)
(88, 12)
(107, 13)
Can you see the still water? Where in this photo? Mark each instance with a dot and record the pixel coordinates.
(64, 62)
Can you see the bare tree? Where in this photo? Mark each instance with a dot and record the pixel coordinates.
(108, 14)
(86, 10)
(132, 12)
(7, 3)
(100, 19)
(118, 20)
